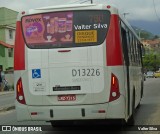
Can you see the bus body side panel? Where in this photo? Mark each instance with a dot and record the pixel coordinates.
(19, 54)
(114, 55)
(115, 61)
(120, 74)
(135, 82)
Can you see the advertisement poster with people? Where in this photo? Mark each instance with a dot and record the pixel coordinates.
(51, 27)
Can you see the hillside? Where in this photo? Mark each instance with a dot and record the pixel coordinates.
(143, 34)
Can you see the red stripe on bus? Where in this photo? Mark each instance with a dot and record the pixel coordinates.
(113, 43)
(19, 59)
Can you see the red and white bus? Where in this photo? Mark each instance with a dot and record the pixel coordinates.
(76, 62)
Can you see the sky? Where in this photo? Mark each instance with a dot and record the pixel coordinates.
(144, 14)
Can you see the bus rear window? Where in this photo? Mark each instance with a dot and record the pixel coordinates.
(66, 29)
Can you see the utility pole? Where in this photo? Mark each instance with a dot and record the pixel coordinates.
(124, 14)
(91, 1)
(139, 32)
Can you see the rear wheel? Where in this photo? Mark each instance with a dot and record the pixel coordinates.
(61, 123)
(142, 89)
(56, 123)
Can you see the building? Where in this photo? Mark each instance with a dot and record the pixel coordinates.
(151, 46)
(6, 56)
(7, 37)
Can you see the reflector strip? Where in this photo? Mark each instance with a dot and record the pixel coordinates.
(101, 111)
(34, 113)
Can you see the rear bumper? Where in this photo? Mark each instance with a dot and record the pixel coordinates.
(113, 110)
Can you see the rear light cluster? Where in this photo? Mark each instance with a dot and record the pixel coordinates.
(19, 92)
(108, 6)
(114, 93)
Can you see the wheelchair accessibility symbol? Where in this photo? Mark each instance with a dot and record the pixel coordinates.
(36, 73)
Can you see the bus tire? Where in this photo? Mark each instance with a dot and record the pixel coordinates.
(142, 89)
(61, 123)
(57, 123)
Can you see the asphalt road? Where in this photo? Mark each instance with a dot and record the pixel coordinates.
(147, 114)
(7, 99)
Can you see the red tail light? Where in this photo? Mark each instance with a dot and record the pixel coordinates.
(19, 91)
(114, 93)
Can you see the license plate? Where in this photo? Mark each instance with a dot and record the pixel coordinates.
(68, 97)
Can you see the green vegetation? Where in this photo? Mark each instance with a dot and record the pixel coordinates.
(146, 35)
(151, 61)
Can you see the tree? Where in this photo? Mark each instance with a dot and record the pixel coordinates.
(156, 37)
(151, 61)
(145, 35)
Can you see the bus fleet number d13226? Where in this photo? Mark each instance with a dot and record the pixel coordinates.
(86, 72)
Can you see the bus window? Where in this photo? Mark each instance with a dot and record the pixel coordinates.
(65, 29)
(125, 47)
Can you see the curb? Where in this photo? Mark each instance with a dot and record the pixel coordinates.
(7, 108)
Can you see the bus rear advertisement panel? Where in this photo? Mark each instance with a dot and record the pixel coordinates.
(65, 29)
